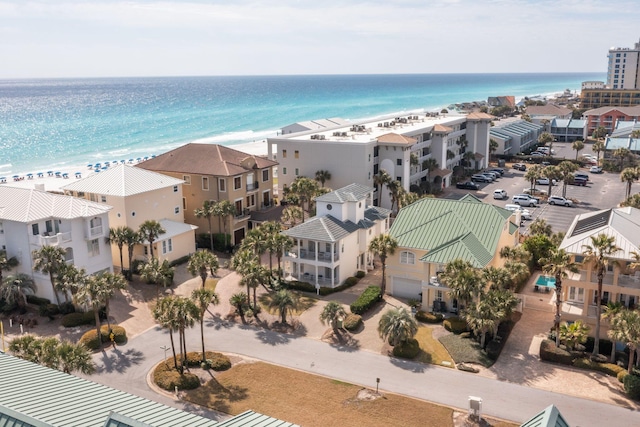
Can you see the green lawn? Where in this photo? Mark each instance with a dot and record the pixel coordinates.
(431, 350)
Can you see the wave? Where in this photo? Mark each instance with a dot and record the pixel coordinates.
(237, 137)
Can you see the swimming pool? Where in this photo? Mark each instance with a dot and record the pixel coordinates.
(546, 281)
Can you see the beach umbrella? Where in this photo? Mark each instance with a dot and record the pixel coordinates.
(90, 165)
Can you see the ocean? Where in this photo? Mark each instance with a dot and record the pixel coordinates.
(49, 124)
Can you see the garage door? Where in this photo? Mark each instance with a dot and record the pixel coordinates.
(406, 288)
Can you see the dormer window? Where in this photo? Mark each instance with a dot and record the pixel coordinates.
(407, 257)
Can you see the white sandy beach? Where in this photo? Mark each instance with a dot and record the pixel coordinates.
(54, 183)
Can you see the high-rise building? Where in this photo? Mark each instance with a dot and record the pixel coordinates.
(624, 68)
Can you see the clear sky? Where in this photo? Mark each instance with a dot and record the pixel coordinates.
(75, 38)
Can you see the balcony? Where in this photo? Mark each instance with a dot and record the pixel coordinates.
(308, 255)
(311, 278)
(50, 240)
(253, 186)
(95, 232)
(629, 281)
(606, 280)
(242, 215)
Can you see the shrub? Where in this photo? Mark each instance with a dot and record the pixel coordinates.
(360, 274)
(78, 319)
(455, 325)
(48, 310)
(352, 322)
(551, 353)
(350, 281)
(166, 377)
(621, 375)
(32, 299)
(90, 338)
(179, 261)
(216, 361)
(606, 368)
(407, 349)
(632, 386)
(366, 300)
(604, 347)
(136, 264)
(301, 286)
(67, 307)
(429, 317)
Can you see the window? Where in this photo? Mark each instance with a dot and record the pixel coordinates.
(103, 199)
(93, 247)
(399, 162)
(222, 185)
(238, 205)
(250, 185)
(399, 178)
(265, 175)
(186, 179)
(35, 229)
(407, 257)
(284, 171)
(284, 154)
(176, 210)
(297, 171)
(237, 183)
(175, 188)
(167, 246)
(184, 203)
(205, 183)
(296, 154)
(576, 294)
(579, 258)
(251, 200)
(376, 151)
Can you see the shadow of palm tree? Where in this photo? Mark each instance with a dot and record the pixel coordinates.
(118, 361)
(217, 396)
(408, 365)
(344, 342)
(272, 338)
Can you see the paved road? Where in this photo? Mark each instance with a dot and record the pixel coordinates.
(128, 369)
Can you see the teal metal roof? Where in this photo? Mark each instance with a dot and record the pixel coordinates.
(448, 229)
(32, 392)
(253, 419)
(550, 417)
(614, 143)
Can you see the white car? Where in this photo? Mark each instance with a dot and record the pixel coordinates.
(545, 181)
(525, 200)
(499, 194)
(595, 169)
(524, 213)
(557, 200)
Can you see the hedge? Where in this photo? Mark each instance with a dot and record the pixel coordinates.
(366, 300)
(352, 322)
(604, 347)
(90, 339)
(324, 291)
(621, 375)
(551, 353)
(48, 310)
(360, 274)
(32, 299)
(166, 377)
(216, 361)
(408, 349)
(632, 386)
(606, 368)
(78, 319)
(179, 261)
(425, 317)
(455, 325)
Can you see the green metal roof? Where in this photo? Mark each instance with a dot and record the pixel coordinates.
(253, 419)
(449, 229)
(550, 417)
(41, 396)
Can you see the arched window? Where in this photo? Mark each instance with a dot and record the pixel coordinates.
(407, 257)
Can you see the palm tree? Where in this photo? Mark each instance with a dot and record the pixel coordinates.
(186, 313)
(629, 175)
(247, 264)
(544, 139)
(16, 288)
(291, 214)
(611, 310)
(306, 189)
(158, 273)
(462, 279)
(131, 239)
(599, 253)
(202, 298)
(331, 314)
(540, 227)
(165, 314)
(567, 169)
(6, 263)
(49, 259)
(223, 210)
(577, 145)
(323, 176)
(118, 236)
(573, 334)
(625, 327)
(53, 353)
(397, 326)
(383, 245)
(599, 133)
(622, 153)
(207, 211)
(551, 173)
(598, 147)
(633, 201)
(558, 264)
(282, 243)
(150, 230)
(92, 295)
(482, 317)
(200, 263)
(239, 301)
(379, 180)
(285, 302)
(499, 278)
(69, 279)
(533, 174)
(395, 189)
(270, 230)
(74, 358)
(493, 147)
(109, 283)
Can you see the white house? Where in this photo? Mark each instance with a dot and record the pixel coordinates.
(31, 219)
(333, 245)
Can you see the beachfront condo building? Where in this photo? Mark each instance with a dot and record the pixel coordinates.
(334, 245)
(431, 232)
(31, 219)
(138, 195)
(623, 71)
(216, 173)
(418, 150)
(621, 282)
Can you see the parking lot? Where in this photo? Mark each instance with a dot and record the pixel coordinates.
(603, 191)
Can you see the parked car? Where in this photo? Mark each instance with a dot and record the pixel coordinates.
(557, 200)
(499, 194)
(578, 181)
(529, 196)
(498, 170)
(534, 192)
(520, 166)
(581, 175)
(481, 178)
(524, 200)
(545, 164)
(595, 169)
(537, 154)
(468, 185)
(493, 175)
(524, 213)
(545, 181)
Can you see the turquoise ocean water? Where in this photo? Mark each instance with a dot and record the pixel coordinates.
(52, 124)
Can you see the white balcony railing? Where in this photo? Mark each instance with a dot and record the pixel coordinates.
(95, 231)
(52, 240)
